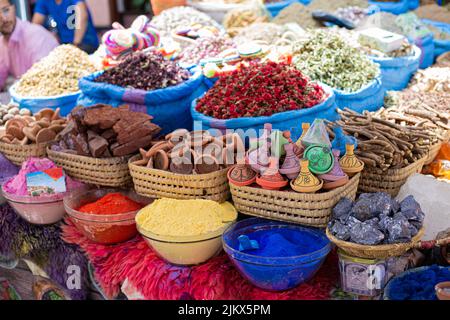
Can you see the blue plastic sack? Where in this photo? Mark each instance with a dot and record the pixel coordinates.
(370, 97)
(440, 46)
(396, 72)
(392, 7)
(169, 106)
(413, 4)
(426, 44)
(281, 121)
(65, 102)
(276, 7)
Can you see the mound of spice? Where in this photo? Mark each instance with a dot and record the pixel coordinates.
(209, 47)
(326, 57)
(102, 131)
(174, 18)
(260, 89)
(171, 217)
(56, 74)
(145, 71)
(418, 285)
(17, 185)
(112, 203)
(434, 79)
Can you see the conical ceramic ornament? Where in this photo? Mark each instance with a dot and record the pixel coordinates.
(298, 150)
(305, 128)
(306, 182)
(271, 178)
(259, 159)
(291, 164)
(350, 164)
(336, 172)
(241, 174)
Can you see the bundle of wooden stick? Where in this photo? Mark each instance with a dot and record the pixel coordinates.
(382, 143)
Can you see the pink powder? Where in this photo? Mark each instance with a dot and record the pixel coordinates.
(18, 184)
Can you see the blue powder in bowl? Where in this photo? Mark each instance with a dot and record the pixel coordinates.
(7, 169)
(418, 285)
(283, 243)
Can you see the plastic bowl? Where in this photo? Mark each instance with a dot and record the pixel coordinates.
(188, 250)
(275, 273)
(43, 210)
(100, 228)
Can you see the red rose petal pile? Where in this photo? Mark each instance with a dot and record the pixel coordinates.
(260, 89)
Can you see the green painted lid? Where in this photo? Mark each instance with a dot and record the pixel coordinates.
(320, 158)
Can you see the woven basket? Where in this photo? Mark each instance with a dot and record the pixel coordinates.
(383, 251)
(17, 153)
(110, 172)
(159, 183)
(302, 208)
(433, 152)
(390, 181)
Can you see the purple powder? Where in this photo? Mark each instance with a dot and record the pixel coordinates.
(7, 169)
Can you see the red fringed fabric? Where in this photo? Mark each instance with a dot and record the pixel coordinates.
(157, 280)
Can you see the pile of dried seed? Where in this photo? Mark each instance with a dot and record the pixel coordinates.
(56, 74)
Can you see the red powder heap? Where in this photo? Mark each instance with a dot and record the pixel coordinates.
(260, 90)
(112, 203)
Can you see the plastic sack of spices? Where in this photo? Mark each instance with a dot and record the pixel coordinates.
(396, 72)
(413, 4)
(169, 106)
(276, 6)
(280, 121)
(395, 7)
(440, 45)
(369, 97)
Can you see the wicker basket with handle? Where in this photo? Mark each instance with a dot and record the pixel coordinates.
(302, 208)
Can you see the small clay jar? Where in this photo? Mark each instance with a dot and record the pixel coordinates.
(329, 185)
(305, 128)
(182, 162)
(306, 182)
(161, 160)
(177, 136)
(271, 179)
(241, 174)
(443, 291)
(206, 164)
(350, 164)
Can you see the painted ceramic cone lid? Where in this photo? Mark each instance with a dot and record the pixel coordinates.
(349, 162)
(336, 173)
(320, 158)
(305, 128)
(291, 164)
(271, 177)
(241, 174)
(306, 181)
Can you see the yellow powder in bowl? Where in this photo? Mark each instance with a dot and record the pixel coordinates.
(171, 217)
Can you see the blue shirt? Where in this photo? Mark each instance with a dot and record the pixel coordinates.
(63, 15)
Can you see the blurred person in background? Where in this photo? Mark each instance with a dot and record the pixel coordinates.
(73, 22)
(21, 43)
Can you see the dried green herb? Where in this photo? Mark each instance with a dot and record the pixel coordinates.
(326, 57)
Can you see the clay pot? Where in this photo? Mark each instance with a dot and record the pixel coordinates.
(206, 164)
(443, 291)
(241, 174)
(177, 136)
(161, 160)
(291, 164)
(45, 135)
(329, 185)
(271, 179)
(336, 173)
(182, 162)
(350, 164)
(306, 182)
(305, 128)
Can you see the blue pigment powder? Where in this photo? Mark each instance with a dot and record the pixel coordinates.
(418, 285)
(284, 242)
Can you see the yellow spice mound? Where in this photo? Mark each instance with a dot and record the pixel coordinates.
(172, 217)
